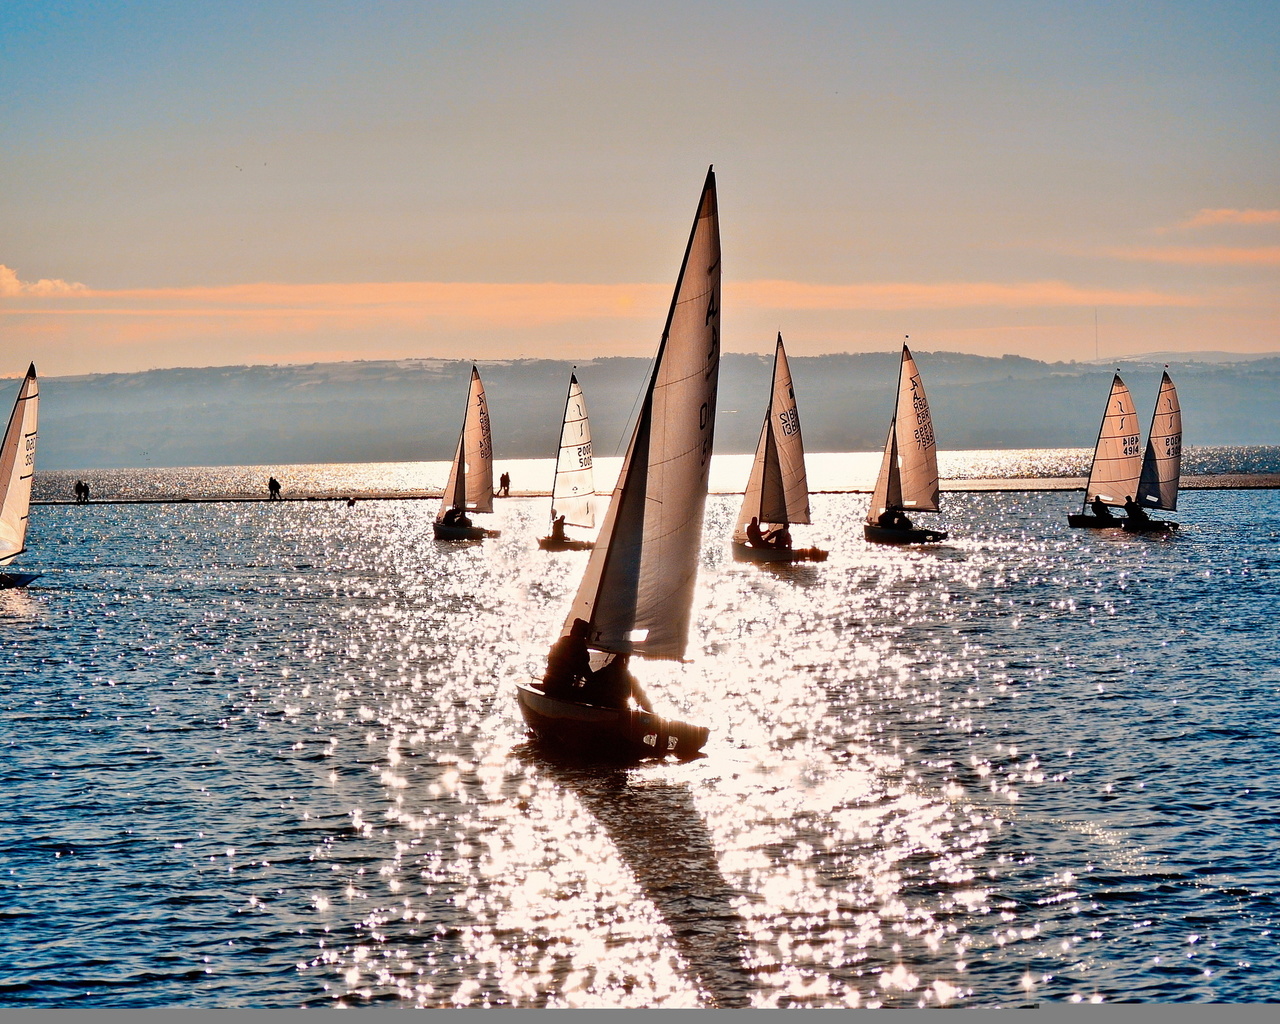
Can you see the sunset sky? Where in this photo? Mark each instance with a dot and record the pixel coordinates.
(273, 182)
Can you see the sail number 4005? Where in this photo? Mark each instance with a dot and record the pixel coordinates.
(584, 456)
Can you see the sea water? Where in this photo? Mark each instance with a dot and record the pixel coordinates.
(270, 755)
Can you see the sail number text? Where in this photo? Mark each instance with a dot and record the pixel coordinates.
(1131, 444)
(584, 456)
(789, 421)
(31, 451)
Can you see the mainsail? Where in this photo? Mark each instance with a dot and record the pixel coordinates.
(470, 485)
(909, 471)
(1117, 459)
(637, 592)
(17, 467)
(574, 488)
(777, 490)
(1162, 463)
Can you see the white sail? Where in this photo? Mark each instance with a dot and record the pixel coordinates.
(470, 483)
(574, 487)
(1117, 458)
(1162, 463)
(778, 489)
(17, 467)
(909, 471)
(637, 592)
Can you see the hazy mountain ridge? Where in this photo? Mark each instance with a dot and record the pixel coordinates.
(407, 410)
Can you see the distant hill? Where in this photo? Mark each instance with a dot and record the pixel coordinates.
(407, 410)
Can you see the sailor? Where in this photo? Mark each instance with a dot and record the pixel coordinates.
(1100, 508)
(568, 664)
(754, 537)
(893, 518)
(456, 517)
(557, 528)
(780, 538)
(613, 685)
(1134, 511)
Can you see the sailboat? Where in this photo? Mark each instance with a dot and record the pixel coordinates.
(17, 467)
(777, 491)
(1161, 463)
(470, 486)
(636, 595)
(1117, 461)
(574, 491)
(909, 471)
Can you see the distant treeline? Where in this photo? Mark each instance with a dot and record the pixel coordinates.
(409, 410)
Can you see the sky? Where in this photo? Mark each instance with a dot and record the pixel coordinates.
(191, 184)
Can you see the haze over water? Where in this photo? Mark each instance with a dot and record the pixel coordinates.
(263, 755)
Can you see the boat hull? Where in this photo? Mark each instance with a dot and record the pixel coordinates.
(1149, 526)
(1084, 521)
(13, 580)
(747, 553)
(567, 544)
(884, 535)
(611, 734)
(443, 532)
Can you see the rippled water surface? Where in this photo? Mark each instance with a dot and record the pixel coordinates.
(269, 755)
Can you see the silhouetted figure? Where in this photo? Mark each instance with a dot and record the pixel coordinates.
(351, 502)
(893, 518)
(1100, 508)
(568, 664)
(780, 538)
(456, 517)
(557, 528)
(79, 492)
(1135, 511)
(504, 485)
(273, 489)
(613, 685)
(84, 489)
(754, 537)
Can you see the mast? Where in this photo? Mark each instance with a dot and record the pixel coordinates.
(637, 591)
(17, 468)
(573, 489)
(1162, 461)
(778, 489)
(1117, 457)
(470, 483)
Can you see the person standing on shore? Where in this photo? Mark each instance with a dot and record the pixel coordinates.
(273, 489)
(504, 485)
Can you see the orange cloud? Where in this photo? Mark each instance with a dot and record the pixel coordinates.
(12, 287)
(280, 309)
(1217, 255)
(948, 295)
(1213, 218)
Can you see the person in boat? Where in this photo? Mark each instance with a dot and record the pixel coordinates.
(754, 535)
(1135, 511)
(557, 528)
(273, 489)
(613, 685)
(893, 518)
(568, 664)
(1100, 508)
(780, 538)
(456, 517)
(504, 485)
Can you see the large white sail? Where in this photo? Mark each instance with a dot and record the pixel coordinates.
(778, 489)
(909, 471)
(470, 483)
(637, 592)
(17, 467)
(1117, 458)
(1162, 463)
(574, 487)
